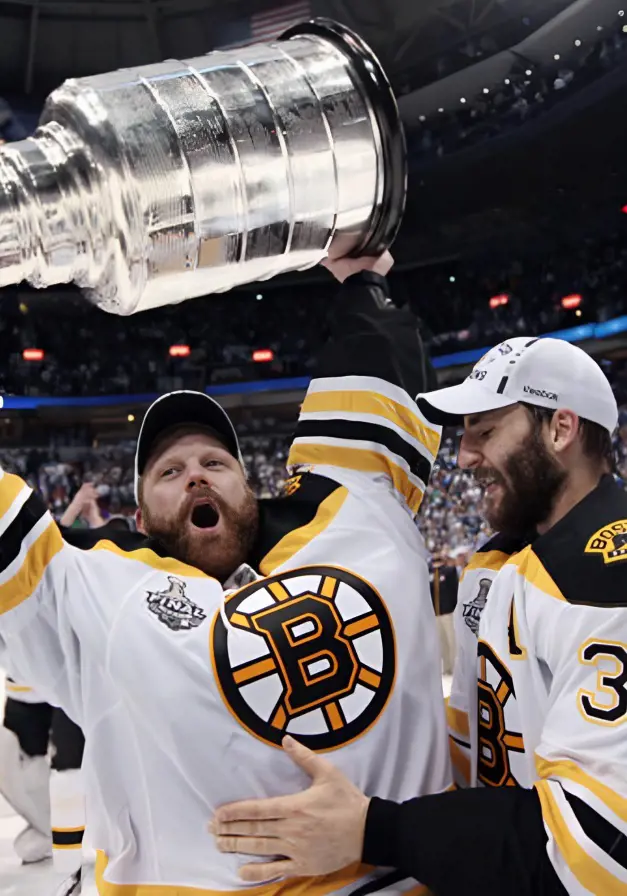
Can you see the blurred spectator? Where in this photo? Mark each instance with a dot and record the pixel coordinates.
(89, 352)
(450, 516)
(529, 91)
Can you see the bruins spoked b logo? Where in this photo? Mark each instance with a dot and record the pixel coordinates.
(308, 652)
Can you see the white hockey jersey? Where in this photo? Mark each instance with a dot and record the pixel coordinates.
(539, 696)
(21, 692)
(184, 692)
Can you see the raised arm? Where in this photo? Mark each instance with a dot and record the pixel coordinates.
(359, 415)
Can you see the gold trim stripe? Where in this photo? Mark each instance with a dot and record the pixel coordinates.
(10, 487)
(494, 560)
(357, 459)
(305, 886)
(529, 566)
(297, 539)
(150, 558)
(457, 720)
(22, 585)
(593, 876)
(571, 772)
(360, 402)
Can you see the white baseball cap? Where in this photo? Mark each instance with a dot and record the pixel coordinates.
(550, 373)
(179, 408)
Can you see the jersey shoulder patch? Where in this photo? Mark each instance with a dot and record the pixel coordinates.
(585, 553)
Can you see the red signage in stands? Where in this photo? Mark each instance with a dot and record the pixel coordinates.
(263, 354)
(180, 351)
(33, 354)
(572, 301)
(497, 301)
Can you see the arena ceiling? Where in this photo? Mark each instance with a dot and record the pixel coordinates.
(46, 41)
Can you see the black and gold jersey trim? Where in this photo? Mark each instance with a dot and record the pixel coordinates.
(280, 517)
(11, 541)
(599, 830)
(357, 430)
(67, 838)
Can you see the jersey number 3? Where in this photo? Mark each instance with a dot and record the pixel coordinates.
(607, 705)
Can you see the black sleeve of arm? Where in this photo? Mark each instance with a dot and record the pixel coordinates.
(488, 842)
(370, 337)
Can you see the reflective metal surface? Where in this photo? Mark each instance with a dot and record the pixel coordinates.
(150, 186)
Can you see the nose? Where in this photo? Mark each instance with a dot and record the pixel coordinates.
(197, 475)
(468, 456)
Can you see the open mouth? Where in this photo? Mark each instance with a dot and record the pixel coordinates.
(488, 483)
(204, 516)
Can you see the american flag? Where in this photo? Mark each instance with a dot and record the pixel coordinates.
(266, 26)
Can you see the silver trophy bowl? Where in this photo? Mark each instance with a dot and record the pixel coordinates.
(154, 185)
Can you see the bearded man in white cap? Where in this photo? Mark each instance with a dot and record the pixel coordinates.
(538, 712)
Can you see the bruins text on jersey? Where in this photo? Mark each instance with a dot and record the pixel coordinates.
(184, 690)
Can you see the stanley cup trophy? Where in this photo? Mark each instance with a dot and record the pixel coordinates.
(154, 185)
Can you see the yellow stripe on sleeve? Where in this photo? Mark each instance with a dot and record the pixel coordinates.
(593, 876)
(360, 402)
(571, 772)
(17, 688)
(357, 459)
(10, 487)
(20, 587)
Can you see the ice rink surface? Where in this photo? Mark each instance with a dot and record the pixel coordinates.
(29, 880)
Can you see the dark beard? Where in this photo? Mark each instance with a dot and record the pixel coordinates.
(534, 480)
(219, 557)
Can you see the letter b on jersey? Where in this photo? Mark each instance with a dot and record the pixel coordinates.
(308, 652)
(318, 663)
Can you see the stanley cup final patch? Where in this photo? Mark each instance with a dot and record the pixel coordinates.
(173, 608)
(309, 652)
(473, 609)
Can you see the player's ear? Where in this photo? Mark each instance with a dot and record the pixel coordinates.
(139, 521)
(563, 429)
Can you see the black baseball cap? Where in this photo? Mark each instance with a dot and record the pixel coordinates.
(178, 409)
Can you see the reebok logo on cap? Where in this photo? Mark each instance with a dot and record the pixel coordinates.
(540, 393)
(573, 381)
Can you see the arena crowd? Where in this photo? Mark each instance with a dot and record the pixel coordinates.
(450, 517)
